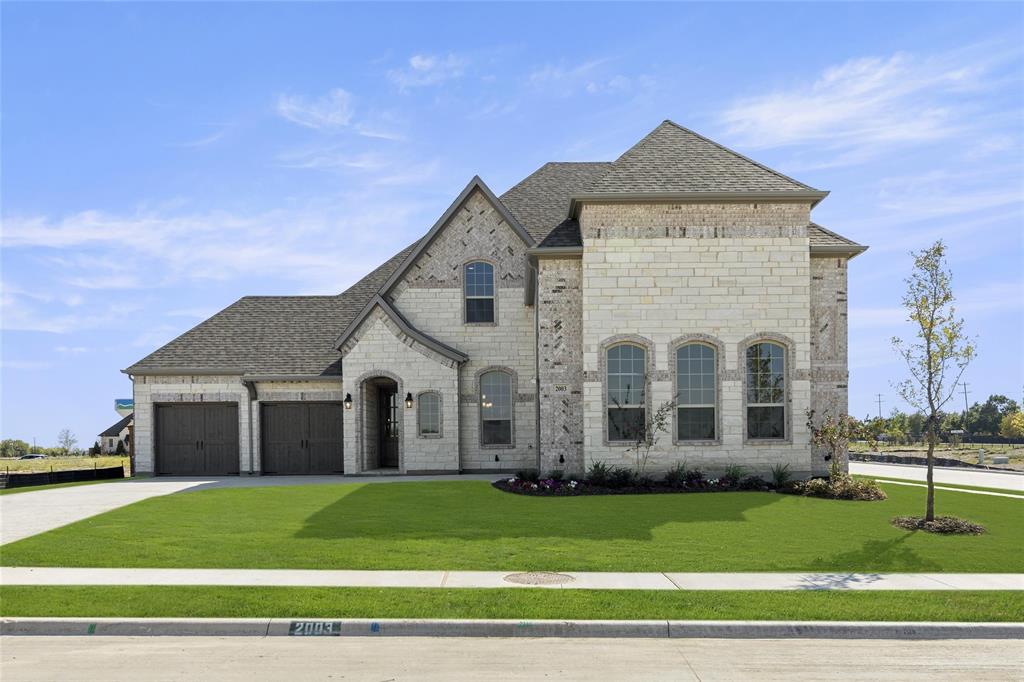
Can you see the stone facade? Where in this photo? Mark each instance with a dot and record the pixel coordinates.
(740, 273)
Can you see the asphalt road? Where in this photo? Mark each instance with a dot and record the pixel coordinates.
(156, 659)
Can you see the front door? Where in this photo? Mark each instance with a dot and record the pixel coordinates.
(387, 412)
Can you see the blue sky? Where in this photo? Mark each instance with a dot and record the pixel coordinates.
(162, 160)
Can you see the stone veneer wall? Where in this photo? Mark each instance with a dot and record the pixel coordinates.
(430, 297)
(560, 355)
(728, 270)
(829, 359)
(379, 348)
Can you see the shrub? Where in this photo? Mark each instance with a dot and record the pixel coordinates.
(598, 474)
(781, 475)
(556, 475)
(946, 525)
(120, 448)
(754, 483)
(734, 471)
(645, 481)
(844, 487)
(621, 477)
(694, 478)
(528, 475)
(676, 476)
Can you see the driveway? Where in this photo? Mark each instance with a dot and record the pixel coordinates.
(29, 513)
(911, 472)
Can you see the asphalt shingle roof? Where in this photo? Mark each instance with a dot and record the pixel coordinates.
(540, 202)
(819, 236)
(117, 428)
(272, 335)
(672, 158)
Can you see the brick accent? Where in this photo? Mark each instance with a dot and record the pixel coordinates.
(829, 369)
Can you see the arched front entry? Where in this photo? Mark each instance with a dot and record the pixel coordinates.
(381, 423)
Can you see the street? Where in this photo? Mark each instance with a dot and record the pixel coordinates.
(154, 659)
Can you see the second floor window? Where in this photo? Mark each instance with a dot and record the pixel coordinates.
(479, 286)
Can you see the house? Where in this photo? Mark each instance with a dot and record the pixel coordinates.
(540, 329)
(117, 433)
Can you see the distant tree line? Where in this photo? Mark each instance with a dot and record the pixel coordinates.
(997, 416)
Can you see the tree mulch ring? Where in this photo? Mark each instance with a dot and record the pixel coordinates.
(945, 525)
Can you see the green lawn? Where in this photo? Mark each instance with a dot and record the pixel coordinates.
(310, 602)
(468, 525)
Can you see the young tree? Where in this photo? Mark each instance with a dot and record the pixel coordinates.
(66, 440)
(1012, 425)
(835, 433)
(646, 436)
(940, 351)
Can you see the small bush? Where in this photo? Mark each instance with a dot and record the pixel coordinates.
(621, 477)
(843, 487)
(735, 472)
(598, 474)
(945, 525)
(754, 483)
(781, 475)
(646, 481)
(694, 478)
(676, 476)
(556, 475)
(528, 475)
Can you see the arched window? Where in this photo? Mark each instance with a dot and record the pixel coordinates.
(627, 375)
(496, 408)
(479, 290)
(696, 370)
(428, 413)
(766, 391)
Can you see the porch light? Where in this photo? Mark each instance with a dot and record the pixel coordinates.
(408, 400)
(348, 401)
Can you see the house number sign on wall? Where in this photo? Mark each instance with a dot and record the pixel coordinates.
(315, 628)
(561, 388)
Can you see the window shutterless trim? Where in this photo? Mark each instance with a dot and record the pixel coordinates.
(607, 345)
(787, 345)
(719, 348)
(493, 297)
(440, 414)
(513, 387)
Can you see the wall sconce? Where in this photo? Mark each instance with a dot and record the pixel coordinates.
(348, 401)
(561, 459)
(497, 459)
(408, 400)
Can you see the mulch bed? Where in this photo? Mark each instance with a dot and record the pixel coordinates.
(944, 525)
(565, 489)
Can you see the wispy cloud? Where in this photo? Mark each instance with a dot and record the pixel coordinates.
(864, 106)
(329, 112)
(206, 140)
(25, 364)
(429, 69)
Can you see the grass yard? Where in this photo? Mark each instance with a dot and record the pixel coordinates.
(468, 525)
(519, 604)
(32, 466)
(51, 486)
(956, 486)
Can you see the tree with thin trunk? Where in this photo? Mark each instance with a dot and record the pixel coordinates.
(66, 440)
(939, 352)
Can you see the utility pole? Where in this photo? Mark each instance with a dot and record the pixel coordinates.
(879, 405)
(966, 410)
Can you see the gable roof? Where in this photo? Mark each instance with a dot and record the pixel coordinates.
(117, 428)
(403, 324)
(672, 160)
(269, 335)
(825, 241)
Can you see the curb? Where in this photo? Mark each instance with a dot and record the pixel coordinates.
(693, 629)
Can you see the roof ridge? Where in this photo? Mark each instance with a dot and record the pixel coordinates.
(733, 152)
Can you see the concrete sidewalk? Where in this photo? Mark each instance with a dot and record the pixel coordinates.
(956, 490)
(1008, 480)
(493, 579)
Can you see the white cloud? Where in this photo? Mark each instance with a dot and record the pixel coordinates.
(329, 112)
(427, 69)
(25, 364)
(71, 350)
(865, 106)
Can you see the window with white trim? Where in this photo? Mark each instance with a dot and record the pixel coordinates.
(496, 408)
(478, 278)
(428, 412)
(626, 378)
(766, 391)
(696, 369)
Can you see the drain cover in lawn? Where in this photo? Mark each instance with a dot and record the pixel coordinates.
(538, 578)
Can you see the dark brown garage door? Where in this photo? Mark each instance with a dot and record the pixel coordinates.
(301, 438)
(197, 439)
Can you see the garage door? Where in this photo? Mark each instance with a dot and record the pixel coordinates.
(301, 438)
(197, 439)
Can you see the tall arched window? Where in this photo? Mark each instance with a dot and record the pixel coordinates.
(696, 369)
(479, 290)
(496, 408)
(627, 375)
(766, 391)
(428, 413)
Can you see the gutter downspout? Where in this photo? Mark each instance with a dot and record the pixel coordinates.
(251, 388)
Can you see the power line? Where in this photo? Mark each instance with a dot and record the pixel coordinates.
(879, 405)
(966, 411)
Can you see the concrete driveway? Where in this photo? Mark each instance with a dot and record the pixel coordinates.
(28, 513)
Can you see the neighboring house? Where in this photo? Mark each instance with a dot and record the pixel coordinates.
(538, 329)
(117, 433)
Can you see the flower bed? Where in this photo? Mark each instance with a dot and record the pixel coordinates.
(552, 487)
